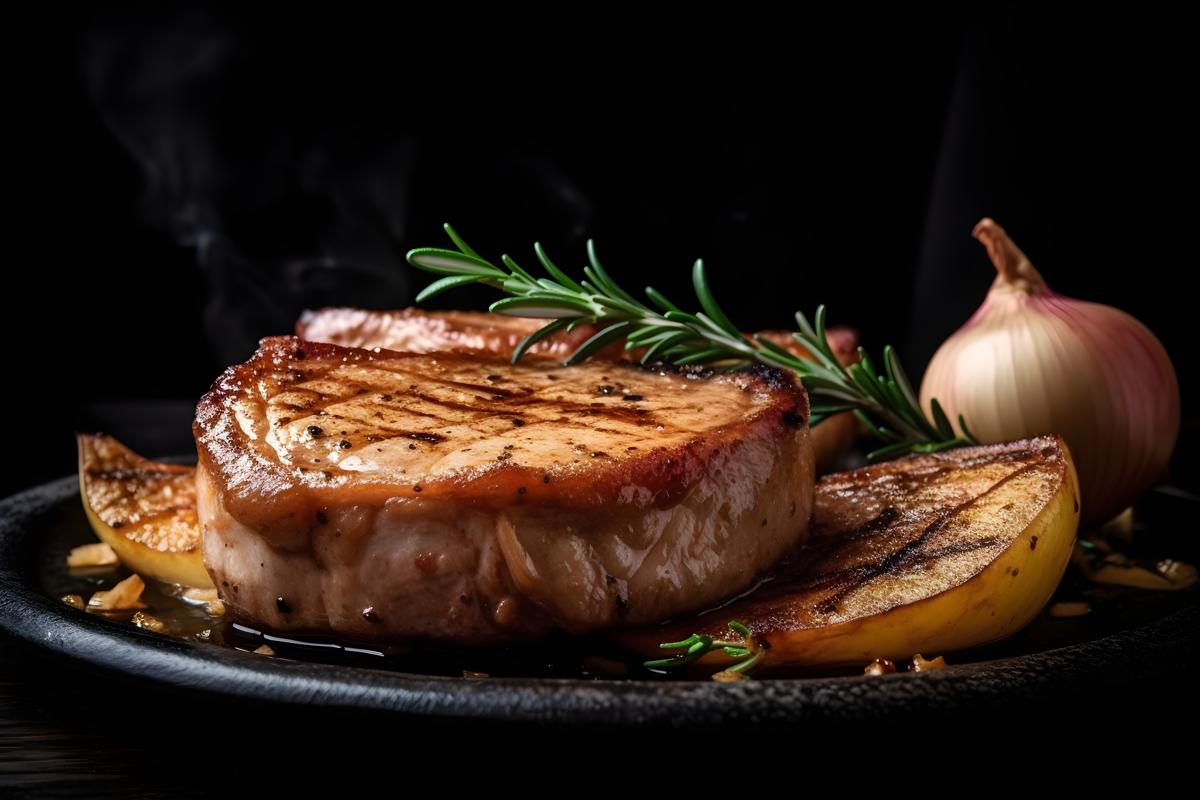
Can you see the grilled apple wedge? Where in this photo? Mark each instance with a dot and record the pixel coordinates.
(144, 510)
(926, 554)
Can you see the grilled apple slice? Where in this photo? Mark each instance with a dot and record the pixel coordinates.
(926, 554)
(145, 510)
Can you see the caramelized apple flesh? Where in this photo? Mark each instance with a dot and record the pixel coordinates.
(145, 510)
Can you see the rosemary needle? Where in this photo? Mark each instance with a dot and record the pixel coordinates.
(698, 645)
(884, 401)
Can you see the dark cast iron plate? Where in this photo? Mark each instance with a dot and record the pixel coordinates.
(1141, 654)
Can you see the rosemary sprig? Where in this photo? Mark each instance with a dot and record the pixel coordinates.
(884, 401)
(697, 645)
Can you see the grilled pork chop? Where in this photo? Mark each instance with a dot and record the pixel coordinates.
(457, 497)
(416, 330)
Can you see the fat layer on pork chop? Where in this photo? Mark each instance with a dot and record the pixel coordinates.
(458, 497)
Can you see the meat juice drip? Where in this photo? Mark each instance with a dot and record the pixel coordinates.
(592, 657)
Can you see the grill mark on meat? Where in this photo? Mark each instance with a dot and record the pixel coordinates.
(498, 399)
(432, 438)
(528, 414)
(467, 408)
(527, 404)
(419, 412)
(371, 431)
(352, 382)
(490, 390)
(502, 401)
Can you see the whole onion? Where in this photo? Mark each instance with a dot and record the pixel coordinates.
(1031, 361)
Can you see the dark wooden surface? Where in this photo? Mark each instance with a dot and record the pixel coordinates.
(67, 731)
(63, 732)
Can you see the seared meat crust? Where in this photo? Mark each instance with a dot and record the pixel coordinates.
(455, 496)
(416, 330)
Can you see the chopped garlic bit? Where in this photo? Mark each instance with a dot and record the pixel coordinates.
(214, 608)
(1101, 564)
(921, 664)
(264, 650)
(1181, 574)
(92, 555)
(1069, 609)
(880, 666)
(198, 596)
(1118, 570)
(148, 622)
(74, 601)
(729, 676)
(125, 596)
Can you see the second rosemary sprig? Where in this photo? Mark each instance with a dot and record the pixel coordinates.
(884, 401)
(698, 645)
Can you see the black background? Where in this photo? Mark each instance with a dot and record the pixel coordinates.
(185, 178)
(193, 176)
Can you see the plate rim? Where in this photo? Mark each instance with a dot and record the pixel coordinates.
(1138, 653)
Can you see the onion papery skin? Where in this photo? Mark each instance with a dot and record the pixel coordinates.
(1033, 362)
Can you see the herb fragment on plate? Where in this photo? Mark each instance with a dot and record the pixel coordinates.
(698, 645)
(885, 401)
